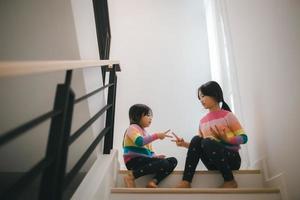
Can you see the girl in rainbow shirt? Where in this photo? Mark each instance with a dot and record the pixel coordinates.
(139, 156)
(219, 139)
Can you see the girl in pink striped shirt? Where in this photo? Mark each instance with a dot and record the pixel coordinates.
(219, 139)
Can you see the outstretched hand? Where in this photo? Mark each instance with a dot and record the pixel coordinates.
(163, 135)
(179, 141)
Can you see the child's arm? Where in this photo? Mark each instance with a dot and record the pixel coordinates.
(141, 140)
(163, 135)
(137, 137)
(238, 139)
(234, 125)
(235, 140)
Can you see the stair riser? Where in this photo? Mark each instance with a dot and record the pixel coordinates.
(199, 180)
(128, 196)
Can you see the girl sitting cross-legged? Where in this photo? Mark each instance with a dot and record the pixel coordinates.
(139, 156)
(219, 139)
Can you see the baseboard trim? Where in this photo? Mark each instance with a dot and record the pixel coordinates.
(276, 181)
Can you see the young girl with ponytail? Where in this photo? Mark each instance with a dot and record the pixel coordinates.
(219, 139)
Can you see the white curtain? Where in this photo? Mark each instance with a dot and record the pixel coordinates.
(223, 69)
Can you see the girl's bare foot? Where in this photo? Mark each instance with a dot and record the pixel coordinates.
(184, 184)
(151, 184)
(229, 184)
(129, 180)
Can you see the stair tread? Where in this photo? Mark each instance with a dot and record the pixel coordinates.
(243, 171)
(195, 190)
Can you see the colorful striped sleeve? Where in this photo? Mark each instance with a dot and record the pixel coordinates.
(143, 140)
(140, 140)
(239, 134)
(239, 139)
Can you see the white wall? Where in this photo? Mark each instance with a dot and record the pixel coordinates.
(266, 47)
(163, 50)
(43, 30)
(37, 30)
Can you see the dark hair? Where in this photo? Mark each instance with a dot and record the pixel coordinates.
(137, 111)
(213, 89)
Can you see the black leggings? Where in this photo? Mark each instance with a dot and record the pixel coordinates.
(213, 155)
(161, 168)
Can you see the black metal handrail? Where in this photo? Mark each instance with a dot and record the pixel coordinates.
(52, 167)
(77, 133)
(92, 93)
(70, 176)
(10, 135)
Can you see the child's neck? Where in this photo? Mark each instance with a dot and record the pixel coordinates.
(141, 126)
(214, 108)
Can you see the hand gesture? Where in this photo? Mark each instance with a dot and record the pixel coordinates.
(163, 135)
(200, 133)
(179, 141)
(219, 133)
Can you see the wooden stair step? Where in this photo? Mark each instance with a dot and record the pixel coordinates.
(202, 179)
(196, 190)
(195, 194)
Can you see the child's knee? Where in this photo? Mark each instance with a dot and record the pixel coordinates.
(169, 164)
(210, 145)
(172, 162)
(196, 140)
(207, 142)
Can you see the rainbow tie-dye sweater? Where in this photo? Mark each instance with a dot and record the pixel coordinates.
(227, 121)
(137, 142)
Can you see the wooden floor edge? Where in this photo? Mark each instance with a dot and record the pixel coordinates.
(242, 171)
(195, 190)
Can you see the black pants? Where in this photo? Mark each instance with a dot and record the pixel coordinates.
(161, 168)
(213, 155)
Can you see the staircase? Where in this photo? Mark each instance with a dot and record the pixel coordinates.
(205, 186)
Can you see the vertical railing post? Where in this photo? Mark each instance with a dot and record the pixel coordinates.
(57, 148)
(110, 114)
(103, 71)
